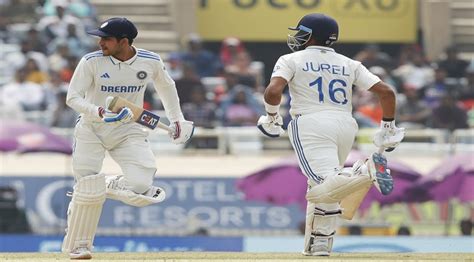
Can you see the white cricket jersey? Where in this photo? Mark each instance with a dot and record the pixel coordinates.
(321, 79)
(97, 76)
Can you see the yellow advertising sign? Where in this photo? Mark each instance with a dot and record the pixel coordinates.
(268, 20)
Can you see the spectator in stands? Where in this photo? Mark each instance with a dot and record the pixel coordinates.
(18, 11)
(372, 56)
(78, 46)
(203, 113)
(63, 116)
(407, 53)
(416, 73)
(30, 96)
(454, 66)
(245, 74)
(38, 42)
(189, 81)
(174, 65)
(34, 74)
(204, 61)
(59, 59)
(240, 107)
(52, 88)
(81, 9)
(67, 72)
(448, 115)
(466, 91)
(5, 34)
(371, 109)
(55, 26)
(411, 111)
(18, 60)
(438, 89)
(230, 48)
(366, 109)
(200, 110)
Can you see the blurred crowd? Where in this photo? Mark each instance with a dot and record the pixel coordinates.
(42, 42)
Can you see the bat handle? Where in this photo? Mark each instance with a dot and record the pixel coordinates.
(164, 127)
(381, 150)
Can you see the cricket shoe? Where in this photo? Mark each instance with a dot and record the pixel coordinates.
(379, 173)
(320, 245)
(156, 193)
(80, 253)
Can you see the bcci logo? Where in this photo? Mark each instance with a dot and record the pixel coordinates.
(141, 75)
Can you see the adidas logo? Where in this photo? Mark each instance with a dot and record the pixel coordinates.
(106, 75)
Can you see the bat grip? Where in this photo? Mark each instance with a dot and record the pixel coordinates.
(164, 127)
(381, 149)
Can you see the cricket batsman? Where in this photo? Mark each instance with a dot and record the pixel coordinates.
(118, 69)
(322, 129)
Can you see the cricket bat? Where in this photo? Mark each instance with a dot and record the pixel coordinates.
(351, 203)
(140, 115)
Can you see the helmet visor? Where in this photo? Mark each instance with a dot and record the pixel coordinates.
(300, 38)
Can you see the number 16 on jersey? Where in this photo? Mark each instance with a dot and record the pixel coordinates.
(335, 86)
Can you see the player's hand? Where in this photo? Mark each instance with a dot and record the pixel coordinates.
(182, 131)
(124, 116)
(389, 136)
(271, 125)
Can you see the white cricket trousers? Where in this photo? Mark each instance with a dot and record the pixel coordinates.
(126, 143)
(322, 141)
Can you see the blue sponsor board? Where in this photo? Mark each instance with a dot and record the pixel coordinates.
(34, 243)
(354, 244)
(191, 204)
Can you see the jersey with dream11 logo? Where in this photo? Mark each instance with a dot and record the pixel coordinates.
(100, 76)
(321, 79)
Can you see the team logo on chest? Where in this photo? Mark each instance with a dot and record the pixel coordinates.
(141, 75)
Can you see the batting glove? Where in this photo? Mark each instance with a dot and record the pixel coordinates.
(388, 136)
(182, 131)
(124, 116)
(270, 125)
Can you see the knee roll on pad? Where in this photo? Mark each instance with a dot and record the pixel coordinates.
(84, 212)
(336, 188)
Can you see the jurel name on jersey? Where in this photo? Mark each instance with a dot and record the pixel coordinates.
(121, 89)
(332, 69)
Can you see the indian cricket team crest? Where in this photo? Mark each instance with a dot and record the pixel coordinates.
(141, 75)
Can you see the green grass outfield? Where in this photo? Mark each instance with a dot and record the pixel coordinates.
(229, 256)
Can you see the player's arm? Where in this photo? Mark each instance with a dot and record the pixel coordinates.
(82, 80)
(273, 94)
(387, 100)
(389, 136)
(271, 124)
(166, 89)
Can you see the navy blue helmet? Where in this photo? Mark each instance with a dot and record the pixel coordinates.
(321, 27)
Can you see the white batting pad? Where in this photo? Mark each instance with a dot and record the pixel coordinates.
(337, 187)
(116, 190)
(84, 212)
(321, 223)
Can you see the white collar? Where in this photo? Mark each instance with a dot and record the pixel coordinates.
(115, 61)
(320, 48)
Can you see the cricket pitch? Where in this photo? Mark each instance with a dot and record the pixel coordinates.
(241, 256)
